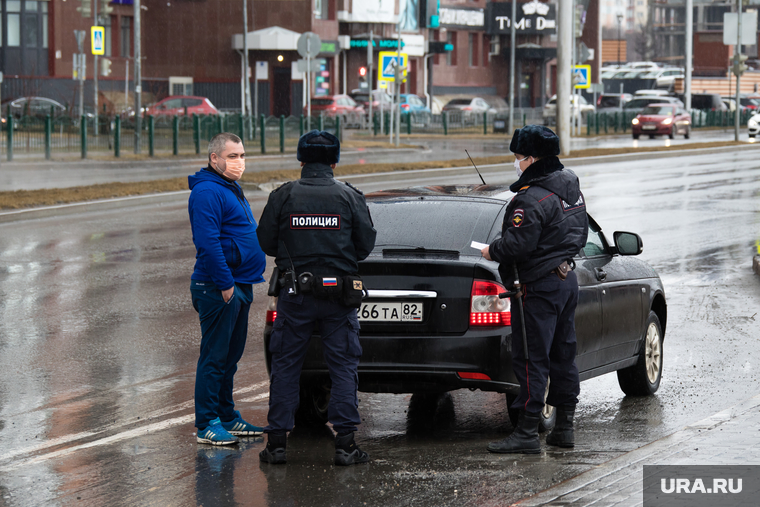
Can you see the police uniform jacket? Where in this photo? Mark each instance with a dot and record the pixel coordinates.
(325, 224)
(545, 223)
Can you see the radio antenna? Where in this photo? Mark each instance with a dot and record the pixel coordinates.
(476, 167)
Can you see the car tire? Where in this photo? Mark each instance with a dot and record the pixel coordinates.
(312, 408)
(651, 136)
(752, 136)
(687, 134)
(643, 378)
(635, 136)
(546, 421)
(672, 134)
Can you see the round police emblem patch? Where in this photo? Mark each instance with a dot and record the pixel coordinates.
(517, 217)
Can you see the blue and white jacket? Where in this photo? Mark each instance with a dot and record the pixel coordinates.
(224, 232)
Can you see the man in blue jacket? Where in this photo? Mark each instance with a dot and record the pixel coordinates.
(228, 261)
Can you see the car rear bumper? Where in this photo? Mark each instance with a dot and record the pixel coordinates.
(410, 364)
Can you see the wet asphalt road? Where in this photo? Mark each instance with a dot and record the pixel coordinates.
(25, 174)
(99, 342)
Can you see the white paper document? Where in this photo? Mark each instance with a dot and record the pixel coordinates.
(478, 246)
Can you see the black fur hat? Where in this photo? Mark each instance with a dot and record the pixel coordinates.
(535, 141)
(316, 146)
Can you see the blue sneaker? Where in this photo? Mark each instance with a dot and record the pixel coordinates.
(215, 434)
(239, 427)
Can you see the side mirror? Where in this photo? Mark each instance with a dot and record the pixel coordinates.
(628, 243)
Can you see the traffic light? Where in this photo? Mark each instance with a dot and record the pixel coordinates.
(105, 67)
(439, 47)
(105, 7)
(362, 71)
(579, 20)
(738, 67)
(85, 8)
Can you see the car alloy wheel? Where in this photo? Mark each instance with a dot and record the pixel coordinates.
(643, 378)
(653, 353)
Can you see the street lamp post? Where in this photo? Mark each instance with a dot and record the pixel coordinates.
(620, 23)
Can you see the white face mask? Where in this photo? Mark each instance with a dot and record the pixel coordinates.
(517, 166)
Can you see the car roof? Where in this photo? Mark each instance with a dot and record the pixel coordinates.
(492, 192)
(170, 97)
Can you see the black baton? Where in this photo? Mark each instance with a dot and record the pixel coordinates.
(518, 292)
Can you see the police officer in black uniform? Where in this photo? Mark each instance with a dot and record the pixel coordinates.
(317, 228)
(544, 227)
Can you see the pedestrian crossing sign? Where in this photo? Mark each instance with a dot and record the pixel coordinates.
(582, 76)
(98, 36)
(387, 62)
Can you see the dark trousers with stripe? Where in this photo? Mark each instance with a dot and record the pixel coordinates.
(297, 318)
(549, 308)
(224, 329)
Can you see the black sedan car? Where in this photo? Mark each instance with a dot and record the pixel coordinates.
(433, 321)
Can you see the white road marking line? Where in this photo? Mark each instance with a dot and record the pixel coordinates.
(130, 433)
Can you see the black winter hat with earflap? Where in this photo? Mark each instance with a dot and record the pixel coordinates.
(316, 146)
(535, 141)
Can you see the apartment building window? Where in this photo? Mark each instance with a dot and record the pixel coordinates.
(106, 21)
(14, 22)
(126, 37)
(451, 56)
(472, 55)
(436, 58)
(486, 49)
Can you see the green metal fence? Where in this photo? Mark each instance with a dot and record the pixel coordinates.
(184, 135)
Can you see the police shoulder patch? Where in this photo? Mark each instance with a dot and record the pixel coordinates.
(518, 217)
(349, 185)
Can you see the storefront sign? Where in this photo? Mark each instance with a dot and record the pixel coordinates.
(376, 43)
(329, 48)
(532, 18)
(470, 18)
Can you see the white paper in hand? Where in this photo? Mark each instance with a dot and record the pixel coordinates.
(478, 246)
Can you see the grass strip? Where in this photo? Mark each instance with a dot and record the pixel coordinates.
(48, 197)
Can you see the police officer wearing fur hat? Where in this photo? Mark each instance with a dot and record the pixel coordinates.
(317, 228)
(544, 227)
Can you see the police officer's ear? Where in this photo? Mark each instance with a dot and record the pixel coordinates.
(303, 164)
(332, 166)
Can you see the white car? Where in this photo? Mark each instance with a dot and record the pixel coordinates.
(753, 125)
(579, 104)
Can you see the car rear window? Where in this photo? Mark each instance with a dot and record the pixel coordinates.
(321, 102)
(705, 101)
(459, 102)
(609, 101)
(439, 224)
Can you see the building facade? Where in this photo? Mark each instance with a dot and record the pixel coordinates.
(197, 48)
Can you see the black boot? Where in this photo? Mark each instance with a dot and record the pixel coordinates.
(562, 435)
(274, 452)
(524, 440)
(347, 452)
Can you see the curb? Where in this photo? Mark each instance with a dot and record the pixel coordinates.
(358, 179)
(615, 471)
(82, 207)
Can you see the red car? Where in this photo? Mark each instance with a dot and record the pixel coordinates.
(177, 104)
(661, 120)
(350, 112)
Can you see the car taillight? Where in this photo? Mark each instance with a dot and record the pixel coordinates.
(468, 108)
(486, 309)
(405, 106)
(271, 311)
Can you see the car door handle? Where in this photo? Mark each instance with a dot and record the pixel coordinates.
(601, 274)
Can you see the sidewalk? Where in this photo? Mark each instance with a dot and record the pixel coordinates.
(730, 437)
